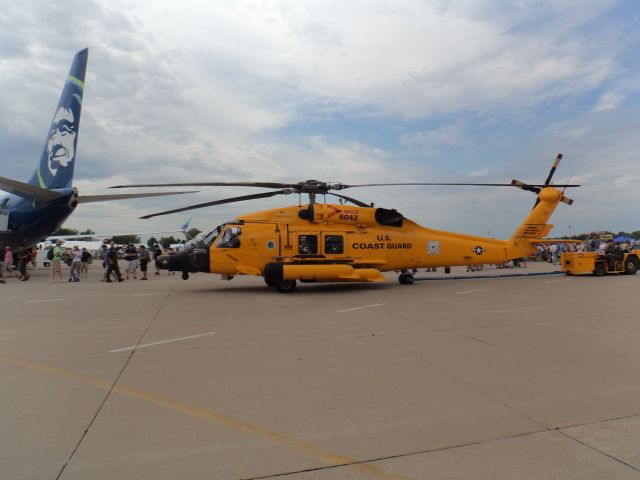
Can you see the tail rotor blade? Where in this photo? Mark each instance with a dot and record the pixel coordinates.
(556, 162)
(524, 186)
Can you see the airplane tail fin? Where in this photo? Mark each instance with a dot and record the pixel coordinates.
(184, 227)
(55, 169)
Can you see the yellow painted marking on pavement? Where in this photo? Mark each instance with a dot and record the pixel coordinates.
(330, 458)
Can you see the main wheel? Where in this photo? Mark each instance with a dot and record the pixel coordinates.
(405, 279)
(630, 265)
(599, 269)
(286, 286)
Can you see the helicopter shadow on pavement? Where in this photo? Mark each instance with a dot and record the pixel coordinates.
(311, 288)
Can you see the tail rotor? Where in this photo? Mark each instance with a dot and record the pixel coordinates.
(537, 189)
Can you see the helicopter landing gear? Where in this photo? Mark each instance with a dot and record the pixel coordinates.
(285, 286)
(405, 278)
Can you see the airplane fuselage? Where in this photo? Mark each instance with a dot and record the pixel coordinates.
(31, 222)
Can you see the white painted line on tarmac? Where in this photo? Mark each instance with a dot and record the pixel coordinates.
(148, 294)
(464, 292)
(558, 281)
(359, 308)
(42, 301)
(160, 343)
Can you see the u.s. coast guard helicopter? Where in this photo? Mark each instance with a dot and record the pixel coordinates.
(321, 242)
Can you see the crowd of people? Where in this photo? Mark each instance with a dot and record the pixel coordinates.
(137, 258)
(18, 262)
(551, 252)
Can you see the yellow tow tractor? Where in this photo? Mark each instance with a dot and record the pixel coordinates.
(576, 263)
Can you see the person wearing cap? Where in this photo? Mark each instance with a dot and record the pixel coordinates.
(131, 257)
(56, 262)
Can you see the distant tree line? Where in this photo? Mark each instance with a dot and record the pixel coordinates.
(125, 239)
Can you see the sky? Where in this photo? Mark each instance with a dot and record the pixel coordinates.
(352, 92)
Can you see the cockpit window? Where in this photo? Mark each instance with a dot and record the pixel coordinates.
(207, 238)
(230, 238)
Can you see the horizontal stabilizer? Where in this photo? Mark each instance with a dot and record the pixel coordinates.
(125, 196)
(27, 191)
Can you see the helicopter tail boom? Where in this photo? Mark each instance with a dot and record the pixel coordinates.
(535, 226)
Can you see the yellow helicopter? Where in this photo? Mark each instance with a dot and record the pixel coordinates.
(321, 242)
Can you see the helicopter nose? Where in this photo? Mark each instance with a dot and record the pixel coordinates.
(176, 263)
(192, 260)
(162, 262)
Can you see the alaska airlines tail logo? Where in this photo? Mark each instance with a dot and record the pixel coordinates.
(55, 169)
(61, 146)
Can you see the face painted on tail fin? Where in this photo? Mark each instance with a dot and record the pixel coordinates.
(55, 169)
(61, 147)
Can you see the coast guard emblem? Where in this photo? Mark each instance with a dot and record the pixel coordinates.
(433, 247)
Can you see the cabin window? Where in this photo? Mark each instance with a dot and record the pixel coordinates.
(307, 244)
(333, 244)
(230, 238)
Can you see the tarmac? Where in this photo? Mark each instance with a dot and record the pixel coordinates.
(527, 377)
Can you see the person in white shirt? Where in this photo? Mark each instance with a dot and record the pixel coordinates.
(76, 265)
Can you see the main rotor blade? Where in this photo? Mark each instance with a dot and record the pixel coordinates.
(455, 184)
(211, 184)
(556, 162)
(126, 196)
(352, 200)
(218, 202)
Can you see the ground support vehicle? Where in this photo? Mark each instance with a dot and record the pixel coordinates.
(577, 263)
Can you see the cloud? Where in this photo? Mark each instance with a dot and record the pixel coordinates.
(345, 91)
(608, 101)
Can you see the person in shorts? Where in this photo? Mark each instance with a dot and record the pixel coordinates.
(131, 259)
(86, 258)
(56, 262)
(157, 253)
(143, 258)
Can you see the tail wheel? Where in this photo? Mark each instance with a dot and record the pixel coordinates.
(405, 279)
(599, 269)
(631, 265)
(286, 286)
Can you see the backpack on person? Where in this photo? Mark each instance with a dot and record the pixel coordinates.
(50, 254)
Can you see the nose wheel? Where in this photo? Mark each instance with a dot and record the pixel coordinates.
(405, 278)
